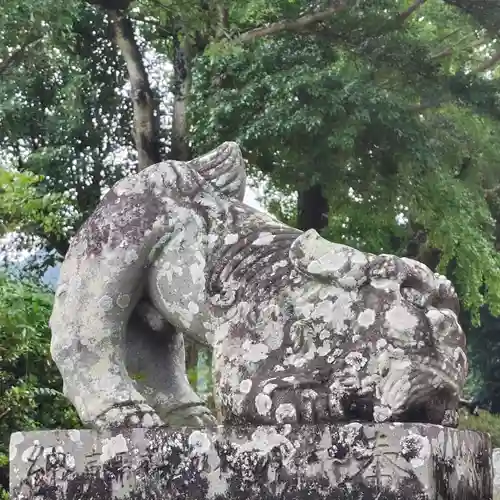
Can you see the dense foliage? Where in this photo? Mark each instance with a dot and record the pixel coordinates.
(27, 207)
(484, 422)
(382, 115)
(30, 384)
(369, 111)
(61, 114)
(389, 106)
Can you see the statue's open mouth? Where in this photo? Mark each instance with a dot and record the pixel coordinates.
(418, 394)
(430, 409)
(428, 396)
(433, 398)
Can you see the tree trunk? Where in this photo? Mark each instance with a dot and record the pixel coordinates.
(181, 85)
(180, 149)
(146, 126)
(312, 209)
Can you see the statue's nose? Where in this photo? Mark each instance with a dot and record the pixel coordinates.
(435, 290)
(417, 283)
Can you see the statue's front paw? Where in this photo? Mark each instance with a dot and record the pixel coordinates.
(129, 415)
(450, 419)
(293, 405)
(191, 416)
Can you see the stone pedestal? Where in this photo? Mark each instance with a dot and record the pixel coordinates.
(336, 462)
(496, 472)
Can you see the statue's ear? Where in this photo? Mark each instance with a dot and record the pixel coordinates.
(308, 249)
(328, 261)
(224, 167)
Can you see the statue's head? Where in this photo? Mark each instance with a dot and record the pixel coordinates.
(386, 326)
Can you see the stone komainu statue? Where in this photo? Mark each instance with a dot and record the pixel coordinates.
(302, 330)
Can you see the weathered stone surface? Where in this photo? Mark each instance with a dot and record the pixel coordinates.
(496, 471)
(349, 462)
(303, 330)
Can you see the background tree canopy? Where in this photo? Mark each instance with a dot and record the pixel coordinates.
(374, 122)
(379, 114)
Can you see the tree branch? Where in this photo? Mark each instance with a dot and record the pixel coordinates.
(485, 12)
(5, 412)
(223, 21)
(6, 63)
(443, 53)
(491, 192)
(111, 4)
(165, 33)
(304, 22)
(488, 64)
(295, 25)
(449, 50)
(411, 9)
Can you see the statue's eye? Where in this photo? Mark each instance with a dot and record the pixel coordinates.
(289, 309)
(442, 300)
(414, 297)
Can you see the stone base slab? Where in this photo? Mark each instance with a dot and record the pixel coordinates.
(335, 462)
(496, 472)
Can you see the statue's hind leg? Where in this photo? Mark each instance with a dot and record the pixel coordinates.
(106, 268)
(155, 359)
(93, 302)
(101, 281)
